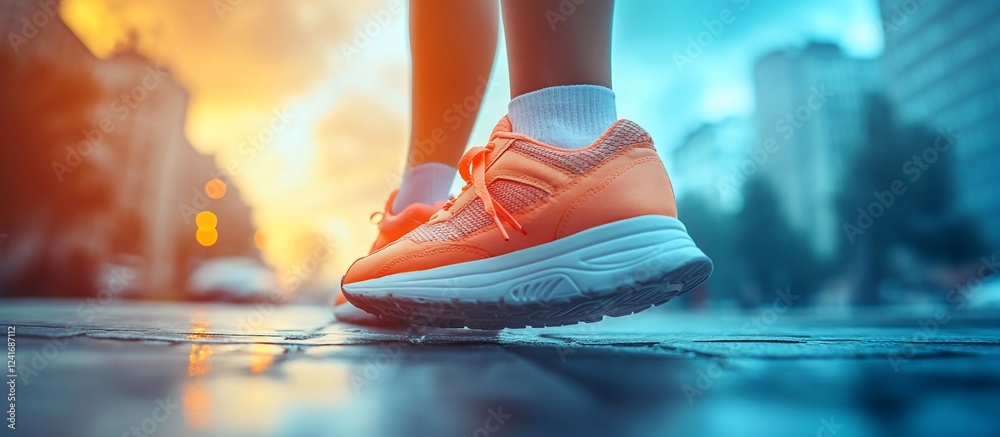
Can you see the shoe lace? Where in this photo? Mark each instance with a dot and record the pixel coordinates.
(472, 169)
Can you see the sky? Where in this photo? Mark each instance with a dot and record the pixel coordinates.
(337, 70)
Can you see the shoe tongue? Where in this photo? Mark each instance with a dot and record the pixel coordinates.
(502, 126)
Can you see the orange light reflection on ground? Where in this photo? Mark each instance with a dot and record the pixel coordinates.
(196, 401)
(262, 358)
(197, 404)
(199, 362)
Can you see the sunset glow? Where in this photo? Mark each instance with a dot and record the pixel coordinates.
(264, 80)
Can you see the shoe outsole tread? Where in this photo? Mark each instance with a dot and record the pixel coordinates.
(587, 307)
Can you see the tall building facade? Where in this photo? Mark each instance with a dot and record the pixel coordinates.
(811, 105)
(144, 114)
(942, 62)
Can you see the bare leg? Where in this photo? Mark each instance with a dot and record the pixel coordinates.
(549, 47)
(452, 44)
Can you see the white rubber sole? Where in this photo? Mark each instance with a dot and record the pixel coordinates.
(614, 269)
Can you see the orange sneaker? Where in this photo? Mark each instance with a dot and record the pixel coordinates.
(539, 236)
(390, 228)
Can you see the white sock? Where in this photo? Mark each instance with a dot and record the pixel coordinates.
(425, 183)
(569, 116)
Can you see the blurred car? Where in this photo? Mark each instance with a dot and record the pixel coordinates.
(232, 279)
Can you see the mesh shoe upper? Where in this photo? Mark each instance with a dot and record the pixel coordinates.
(547, 191)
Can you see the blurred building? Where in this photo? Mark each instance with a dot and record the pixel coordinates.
(160, 178)
(811, 104)
(33, 30)
(145, 113)
(712, 162)
(34, 35)
(159, 181)
(942, 61)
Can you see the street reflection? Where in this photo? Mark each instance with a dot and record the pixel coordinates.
(197, 401)
(212, 401)
(198, 360)
(262, 358)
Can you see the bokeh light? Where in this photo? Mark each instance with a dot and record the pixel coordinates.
(206, 220)
(207, 237)
(215, 189)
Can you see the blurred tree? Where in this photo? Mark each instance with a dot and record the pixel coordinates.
(776, 256)
(712, 228)
(50, 220)
(901, 195)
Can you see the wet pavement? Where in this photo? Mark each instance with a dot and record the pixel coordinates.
(124, 368)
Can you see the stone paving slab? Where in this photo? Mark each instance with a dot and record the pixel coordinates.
(245, 370)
